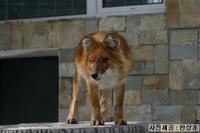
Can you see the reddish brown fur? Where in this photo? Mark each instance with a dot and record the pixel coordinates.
(99, 58)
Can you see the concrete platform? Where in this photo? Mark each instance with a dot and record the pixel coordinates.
(84, 127)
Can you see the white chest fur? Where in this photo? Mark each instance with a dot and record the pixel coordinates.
(109, 80)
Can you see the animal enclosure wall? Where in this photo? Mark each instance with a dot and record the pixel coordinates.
(165, 83)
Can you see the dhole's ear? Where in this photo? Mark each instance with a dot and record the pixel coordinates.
(87, 42)
(111, 40)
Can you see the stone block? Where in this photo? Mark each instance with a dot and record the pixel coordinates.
(5, 36)
(161, 60)
(154, 37)
(156, 82)
(191, 74)
(66, 70)
(183, 52)
(65, 91)
(155, 97)
(170, 122)
(66, 55)
(133, 83)
(199, 98)
(183, 37)
(132, 29)
(83, 114)
(190, 13)
(183, 97)
(133, 98)
(182, 13)
(35, 35)
(176, 75)
(66, 34)
(172, 13)
(188, 115)
(17, 36)
(62, 114)
(197, 112)
(91, 25)
(143, 67)
(112, 24)
(138, 113)
(146, 37)
(169, 112)
(142, 52)
(199, 51)
(152, 22)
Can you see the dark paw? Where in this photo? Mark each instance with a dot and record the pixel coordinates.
(72, 121)
(97, 123)
(120, 122)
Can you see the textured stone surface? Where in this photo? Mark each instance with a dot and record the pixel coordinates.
(91, 25)
(66, 34)
(188, 114)
(170, 122)
(183, 97)
(66, 55)
(133, 98)
(191, 74)
(5, 36)
(197, 112)
(152, 22)
(156, 82)
(155, 97)
(65, 86)
(142, 52)
(154, 37)
(199, 98)
(143, 67)
(176, 75)
(83, 127)
(66, 70)
(183, 37)
(161, 60)
(138, 113)
(183, 52)
(112, 24)
(182, 13)
(132, 29)
(83, 113)
(35, 35)
(133, 83)
(17, 36)
(169, 112)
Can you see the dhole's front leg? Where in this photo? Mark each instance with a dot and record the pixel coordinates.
(119, 115)
(96, 118)
(71, 119)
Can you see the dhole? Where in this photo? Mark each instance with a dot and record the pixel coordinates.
(103, 60)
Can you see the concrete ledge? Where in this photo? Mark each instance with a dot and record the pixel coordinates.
(84, 127)
(24, 53)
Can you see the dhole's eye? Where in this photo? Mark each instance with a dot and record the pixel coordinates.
(90, 61)
(105, 60)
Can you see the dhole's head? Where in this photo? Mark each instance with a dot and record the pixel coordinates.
(103, 59)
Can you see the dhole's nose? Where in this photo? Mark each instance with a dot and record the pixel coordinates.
(94, 76)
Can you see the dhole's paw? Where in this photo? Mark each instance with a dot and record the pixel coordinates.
(120, 122)
(72, 121)
(97, 122)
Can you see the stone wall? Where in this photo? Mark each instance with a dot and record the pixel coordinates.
(165, 83)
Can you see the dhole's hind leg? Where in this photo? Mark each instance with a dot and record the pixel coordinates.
(71, 119)
(96, 118)
(119, 115)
